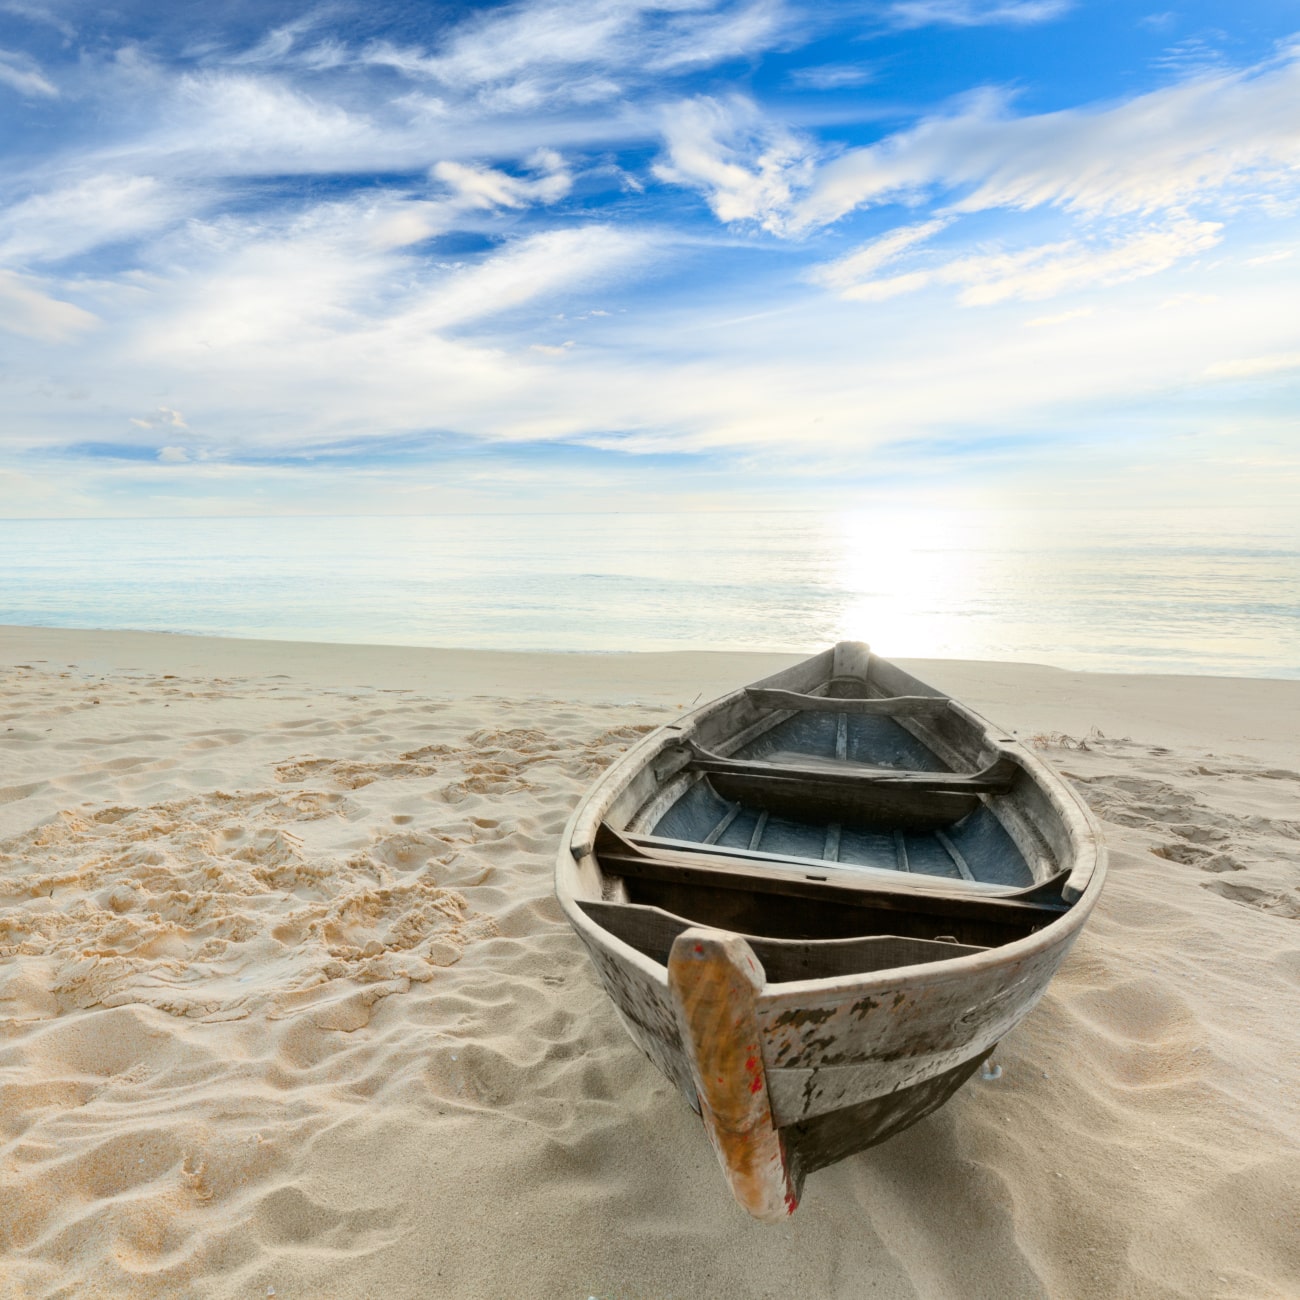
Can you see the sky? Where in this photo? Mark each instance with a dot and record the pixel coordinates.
(269, 258)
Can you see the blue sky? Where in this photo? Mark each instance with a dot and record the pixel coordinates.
(265, 258)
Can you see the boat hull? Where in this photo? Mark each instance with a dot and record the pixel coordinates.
(828, 1050)
(867, 1016)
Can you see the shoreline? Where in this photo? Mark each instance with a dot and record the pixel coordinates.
(287, 1005)
(1260, 712)
(18, 631)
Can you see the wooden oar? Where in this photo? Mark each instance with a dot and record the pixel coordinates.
(715, 979)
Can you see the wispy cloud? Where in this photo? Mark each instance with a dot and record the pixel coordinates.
(524, 55)
(22, 73)
(163, 417)
(977, 13)
(1197, 140)
(832, 76)
(486, 187)
(38, 14)
(1058, 318)
(859, 266)
(98, 209)
(1037, 272)
(29, 308)
(1251, 367)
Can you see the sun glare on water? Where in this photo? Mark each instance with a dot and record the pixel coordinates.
(906, 579)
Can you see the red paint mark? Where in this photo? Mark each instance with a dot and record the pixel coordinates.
(751, 1064)
(699, 948)
(791, 1205)
(756, 1085)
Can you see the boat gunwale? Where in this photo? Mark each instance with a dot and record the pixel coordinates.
(1085, 880)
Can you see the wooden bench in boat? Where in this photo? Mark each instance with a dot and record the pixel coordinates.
(652, 858)
(881, 705)
(868, 796)
(997, 778)
(651, 930)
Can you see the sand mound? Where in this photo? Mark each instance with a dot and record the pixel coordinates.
(288, 1008)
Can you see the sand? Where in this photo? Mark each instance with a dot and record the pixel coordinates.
(288, 1007)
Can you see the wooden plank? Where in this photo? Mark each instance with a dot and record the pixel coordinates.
(900, 852)
(885, 873)
(831, 849)
(651, 930)
(720, 829)
(865, 806)
(886, 705)
(963, 867)
(759, 827)
(620, 857)
(912, 1024)
(818, 918)
(997, 778)
(714, 980)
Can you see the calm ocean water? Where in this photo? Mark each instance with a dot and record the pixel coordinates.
(1196, 592)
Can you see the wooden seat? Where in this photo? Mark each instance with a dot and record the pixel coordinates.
(886, 705)
(620, 855)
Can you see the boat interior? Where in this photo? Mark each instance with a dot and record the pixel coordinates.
(841, 829)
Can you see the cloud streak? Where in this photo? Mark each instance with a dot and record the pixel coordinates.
(30, 309)
(1040, 271)
(977, 13)
(22, 73)
(1234, 133)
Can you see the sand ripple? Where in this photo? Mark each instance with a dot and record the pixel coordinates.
(288, 1007)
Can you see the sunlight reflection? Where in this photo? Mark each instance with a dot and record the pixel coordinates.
(907, 578)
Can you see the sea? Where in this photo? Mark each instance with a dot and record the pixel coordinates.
(1172, 591)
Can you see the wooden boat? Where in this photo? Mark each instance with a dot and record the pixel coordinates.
(818, 902)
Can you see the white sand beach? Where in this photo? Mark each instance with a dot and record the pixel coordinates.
(289, 1009)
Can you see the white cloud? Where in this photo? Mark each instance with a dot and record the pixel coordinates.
(485, 187)
(705, 38)
(95, 210)
(314, 328)
(276, 45)
(748, 169)
(173, 455)
(37, 14)
(1060, 318)
(217, 125)
(1252, 367)
(976, 13)
(1191, 141)
(858, 266)
(22, 73)
(240, 122)
(164, 416)
(27, 309)
(832, 76)
(1041, 271)
(529, 269)
(521, 56)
